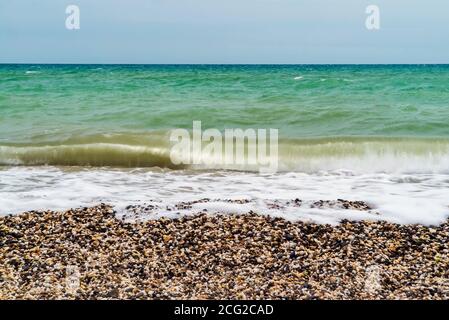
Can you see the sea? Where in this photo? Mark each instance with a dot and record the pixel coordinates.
(79, 135)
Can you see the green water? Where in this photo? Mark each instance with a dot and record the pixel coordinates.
(81, 135)
(340, 109)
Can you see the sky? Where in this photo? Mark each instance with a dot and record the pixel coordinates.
(224, 31)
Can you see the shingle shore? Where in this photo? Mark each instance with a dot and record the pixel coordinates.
(217, 257)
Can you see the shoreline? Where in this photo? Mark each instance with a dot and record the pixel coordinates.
(244, 256)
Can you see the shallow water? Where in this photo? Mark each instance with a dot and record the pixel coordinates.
(400, 198)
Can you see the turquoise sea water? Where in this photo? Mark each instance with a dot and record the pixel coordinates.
(78, 135)
(60, 101)
(323, 110)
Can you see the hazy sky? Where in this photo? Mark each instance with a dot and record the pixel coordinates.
(224, 31)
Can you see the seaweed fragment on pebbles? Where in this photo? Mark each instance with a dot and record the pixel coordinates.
(88, 253)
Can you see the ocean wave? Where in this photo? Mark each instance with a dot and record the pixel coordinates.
(358, 155)
(94, 155)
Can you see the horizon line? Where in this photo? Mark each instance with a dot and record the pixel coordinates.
(222, 64)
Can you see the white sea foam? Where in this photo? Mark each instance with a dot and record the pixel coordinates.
(402, 198)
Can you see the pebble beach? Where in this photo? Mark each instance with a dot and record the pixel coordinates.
(355, 205)
(91, 253)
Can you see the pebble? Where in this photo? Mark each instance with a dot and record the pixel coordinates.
(245, 256)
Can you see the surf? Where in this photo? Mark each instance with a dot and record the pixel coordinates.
(355, 154)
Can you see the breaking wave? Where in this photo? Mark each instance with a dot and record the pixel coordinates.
(359, 155)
